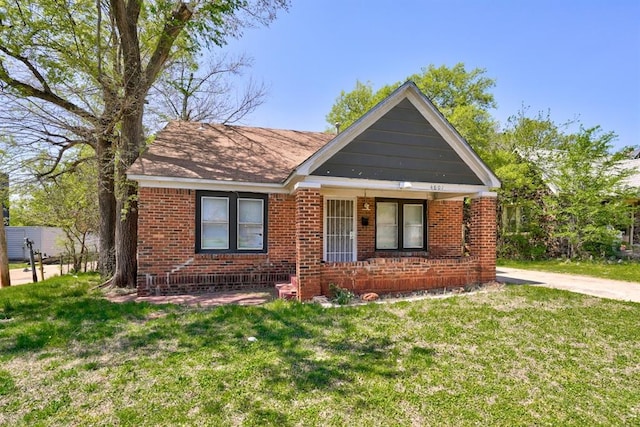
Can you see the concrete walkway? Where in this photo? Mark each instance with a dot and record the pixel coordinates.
(20, 277)
(603, 288)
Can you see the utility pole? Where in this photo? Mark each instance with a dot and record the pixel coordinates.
(5, 278)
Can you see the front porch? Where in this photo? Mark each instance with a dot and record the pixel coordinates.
(352, 253)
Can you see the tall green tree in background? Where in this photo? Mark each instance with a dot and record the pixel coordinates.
(68, 201)
(570, 187)
(462, 96)
(78, 73)
(524, 228)
(591, 202)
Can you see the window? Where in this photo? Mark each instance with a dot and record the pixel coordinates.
(400, 225)
(514, 219)
(231, 222)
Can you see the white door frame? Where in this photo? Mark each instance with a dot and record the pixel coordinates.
(354, 256)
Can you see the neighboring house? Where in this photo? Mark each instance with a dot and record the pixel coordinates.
(46, 240)
(522, 210)
(378, 207)
(631, 235)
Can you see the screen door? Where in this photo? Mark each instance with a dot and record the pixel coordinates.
(340, 239)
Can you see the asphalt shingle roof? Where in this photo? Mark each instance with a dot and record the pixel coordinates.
(227, 153)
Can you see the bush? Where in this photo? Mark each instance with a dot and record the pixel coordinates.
(340, 295)
(521, 247)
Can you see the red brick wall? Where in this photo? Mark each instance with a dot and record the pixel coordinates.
(388, 275)
(366, 233)
(482, 236)
(309, 227)
(445, 228)
(444, 231)
(168, 264)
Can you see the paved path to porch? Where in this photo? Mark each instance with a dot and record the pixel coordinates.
(603, 288)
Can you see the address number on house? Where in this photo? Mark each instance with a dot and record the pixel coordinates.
(435, 187)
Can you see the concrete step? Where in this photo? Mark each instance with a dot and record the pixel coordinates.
(288, 290)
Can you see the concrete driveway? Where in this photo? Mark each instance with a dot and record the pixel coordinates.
(604, 288)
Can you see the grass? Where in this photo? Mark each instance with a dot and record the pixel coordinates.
(516, 356)
(21, 265)
(628, 271)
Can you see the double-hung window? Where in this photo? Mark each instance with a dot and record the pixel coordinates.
(231, 222)
(400, 224)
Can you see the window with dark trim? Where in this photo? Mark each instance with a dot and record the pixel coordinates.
(401, 224)
(231, 222)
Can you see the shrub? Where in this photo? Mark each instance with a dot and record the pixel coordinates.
(521, 246)
(340, 295)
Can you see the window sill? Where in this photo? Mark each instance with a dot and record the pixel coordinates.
(231, 255)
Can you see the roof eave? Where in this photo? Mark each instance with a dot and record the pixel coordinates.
(206, 184)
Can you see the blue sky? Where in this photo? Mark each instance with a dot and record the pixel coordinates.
(576, 59)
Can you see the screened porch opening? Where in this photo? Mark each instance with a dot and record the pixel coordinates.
(339, 232)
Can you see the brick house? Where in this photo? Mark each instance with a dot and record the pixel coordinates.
(377, 207)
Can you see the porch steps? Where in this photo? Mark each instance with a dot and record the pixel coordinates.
(288, 290)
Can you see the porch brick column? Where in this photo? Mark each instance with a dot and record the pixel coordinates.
(482, 236)
(308, 242)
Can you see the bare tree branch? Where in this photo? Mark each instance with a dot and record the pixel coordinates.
(45, 94)
(207, 94)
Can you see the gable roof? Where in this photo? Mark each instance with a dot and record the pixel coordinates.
(193, 150)
(448, 142)
(403, 142)
(400, 146)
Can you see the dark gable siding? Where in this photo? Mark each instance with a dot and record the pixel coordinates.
(400, 146)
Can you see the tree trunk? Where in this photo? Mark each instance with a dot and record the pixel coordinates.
(127, 239)
(127, 205)
(107, 204)
(5, 278)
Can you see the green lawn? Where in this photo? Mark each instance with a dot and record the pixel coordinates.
(13, 265)
(628, 271)
(514, 356)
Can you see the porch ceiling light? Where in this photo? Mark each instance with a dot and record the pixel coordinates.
(405, 184)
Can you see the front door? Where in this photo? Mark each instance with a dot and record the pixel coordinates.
(339, 231)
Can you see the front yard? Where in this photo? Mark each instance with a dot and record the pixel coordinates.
(515, 356)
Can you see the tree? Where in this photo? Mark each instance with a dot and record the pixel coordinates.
(462, 96)
(68, 201)
(569, 185)
(85, 68)
(188, 92)
(591, 201)
(350, 106)
(6, 158)
(524, 228)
